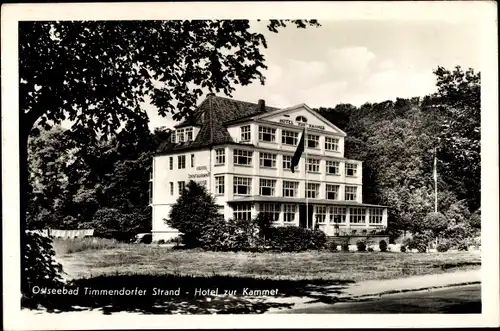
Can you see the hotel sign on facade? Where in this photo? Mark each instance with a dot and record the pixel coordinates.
(301, 124)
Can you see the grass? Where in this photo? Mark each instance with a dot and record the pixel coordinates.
(86, 259)
(68, 246)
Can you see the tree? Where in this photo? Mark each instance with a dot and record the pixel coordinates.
(192, 212)
(97, 73)
(434, 222)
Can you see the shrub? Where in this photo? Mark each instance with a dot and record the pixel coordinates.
(296, 239)
(402, 249)
(192, 212)
(215, 235)
(345, 246)
(38, 267)
(361, 245)
(475, 219)
(264, 224)
(443, 247)
(332, 246)
(382, 245)
(420, 242)
(435, 222)
(370, 249)
(161, 242)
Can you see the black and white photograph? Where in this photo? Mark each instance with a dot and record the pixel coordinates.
(334, 162)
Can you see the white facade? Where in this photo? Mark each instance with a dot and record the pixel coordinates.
(252, 175)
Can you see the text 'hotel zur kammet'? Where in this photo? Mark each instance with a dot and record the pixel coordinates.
(242, 153)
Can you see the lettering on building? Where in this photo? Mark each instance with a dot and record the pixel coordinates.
(301, 124)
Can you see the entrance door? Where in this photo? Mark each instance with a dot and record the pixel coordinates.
(304, 220)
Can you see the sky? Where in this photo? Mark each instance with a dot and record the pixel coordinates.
(356, 61)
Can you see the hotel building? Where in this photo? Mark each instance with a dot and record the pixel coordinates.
(242, 153)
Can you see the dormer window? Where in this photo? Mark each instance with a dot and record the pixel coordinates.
(180, 135)
(189, 134)
(245, 133)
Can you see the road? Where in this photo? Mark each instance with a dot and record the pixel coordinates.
(453, 300)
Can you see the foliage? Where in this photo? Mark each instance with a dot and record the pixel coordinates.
(443, 247)
(215, 235)
(435, 222)
(475, 219)
(192, 212)
(112, 223)
(361, 245)
(264, 223)
(370, 249)
(382, 245)
(419, 241)
(402, 248)
(40, 268)
(296, 239)
(333, 247)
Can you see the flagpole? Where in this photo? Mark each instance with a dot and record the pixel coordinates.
(435, 182)
(305, 173)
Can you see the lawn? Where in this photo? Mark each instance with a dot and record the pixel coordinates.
(134, 259)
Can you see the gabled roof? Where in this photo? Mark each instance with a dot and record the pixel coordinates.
(211, 116)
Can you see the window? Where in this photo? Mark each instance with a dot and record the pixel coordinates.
(320, 212)
(202, 183)
(180, 135)
(242, 185)
(219, 184)
(192, 160)
(357, 215)
(290, 189)
(267, 186)
(351, 169)
(171, 163)
(267, 160)
(172, 137)
(332, 192)
(271, 210)
(242, 157)
(333, 167)
(220, 156)
(301, 119)
(337, 214)
(242, 211)
(375, 216)
(171, 188)
(245, 133)
(267, 134)
(312, 141)
(189, 134)
(150, 187)
(331, 144)
(312, 165)
(312, 190)
(182, 185)
(289, 213)
(289, 137)
(287, 162)
(351, 193)
(181, 162)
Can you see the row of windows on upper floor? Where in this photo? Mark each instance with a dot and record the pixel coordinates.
(242, 157)
(267, 187)
(266, 134)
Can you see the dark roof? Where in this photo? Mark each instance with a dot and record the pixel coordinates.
(211, 116)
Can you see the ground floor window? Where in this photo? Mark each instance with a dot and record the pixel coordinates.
(271, 210)
(242, 211)
(375, 216)
(289, 213)
(320, 212)
(337, 214)
(357, 215)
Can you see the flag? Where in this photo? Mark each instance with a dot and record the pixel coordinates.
(298, 152)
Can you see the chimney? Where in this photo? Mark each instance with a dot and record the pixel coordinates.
(262, 105)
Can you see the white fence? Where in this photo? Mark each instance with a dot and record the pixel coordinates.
(66, 233)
